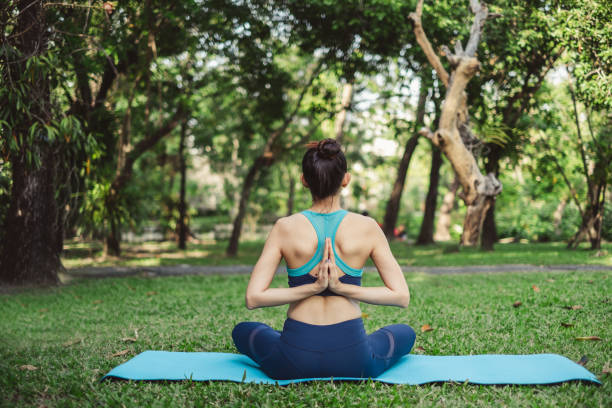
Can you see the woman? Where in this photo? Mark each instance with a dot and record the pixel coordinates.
(324, 335)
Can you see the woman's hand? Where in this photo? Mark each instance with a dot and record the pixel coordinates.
(334, 277)
(322, 281)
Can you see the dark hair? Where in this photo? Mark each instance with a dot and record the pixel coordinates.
(324, 167)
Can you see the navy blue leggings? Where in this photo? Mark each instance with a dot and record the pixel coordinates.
(305, 350)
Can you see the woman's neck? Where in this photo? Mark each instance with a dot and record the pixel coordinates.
(326, 205)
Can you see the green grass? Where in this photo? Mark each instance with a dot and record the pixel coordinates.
(213, 253)
(69, 333)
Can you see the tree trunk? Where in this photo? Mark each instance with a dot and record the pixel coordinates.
(454, 136)
(558, 216)
(489, 229)
(182, 227)
(488, 236)
(291, 195)
(247, 186)
(427, 226)
(112, 244)
(444, 219)
(124, 174)
(31, 251)
(592, 219)
(32, 239)
(347, 96)
(393, 204)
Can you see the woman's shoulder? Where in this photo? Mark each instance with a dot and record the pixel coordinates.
(364, 222)
(366, 219)
(287, 222)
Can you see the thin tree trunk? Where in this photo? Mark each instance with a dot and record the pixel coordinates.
(558, 216)
(291, 195)
(247, 186)
(182, 227)
(31, 251)
(444, 219)
(393, 204)
(32, 240)
(112, 245)
(427, 226)
(124, 174)
(345, 103)
(488, 236)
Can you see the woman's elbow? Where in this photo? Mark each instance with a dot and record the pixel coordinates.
(404, 299)
(251, 302)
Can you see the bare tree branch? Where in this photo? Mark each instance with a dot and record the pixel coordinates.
(581, 144)
(421, 38)
(480, 16)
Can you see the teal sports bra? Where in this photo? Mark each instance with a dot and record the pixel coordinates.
(325, 225)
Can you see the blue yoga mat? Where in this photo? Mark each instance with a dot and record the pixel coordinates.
(411, 369)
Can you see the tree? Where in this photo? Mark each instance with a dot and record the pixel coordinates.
(275, 146)
(393, 204)
(518, 51)
(427, 226)
(338, 36)
(565, 154)
(454, 133)
(585, 33)
(182, 220)
(36, 138)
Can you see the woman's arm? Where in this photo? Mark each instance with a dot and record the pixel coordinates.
(394, 293)
(259, 293)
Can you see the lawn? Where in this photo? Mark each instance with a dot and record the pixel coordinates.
(70, 333)
(79, 254)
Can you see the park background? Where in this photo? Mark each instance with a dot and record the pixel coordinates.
(141, 139)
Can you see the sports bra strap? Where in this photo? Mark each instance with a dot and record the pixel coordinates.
(325, 225)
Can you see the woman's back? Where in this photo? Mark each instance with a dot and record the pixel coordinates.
(353, 243)
(324, 334)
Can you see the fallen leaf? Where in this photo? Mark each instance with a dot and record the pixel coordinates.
(567, 324)
(550, 280)
(28, 367)
(588, 338)
(365, 315)
(97, 301)
(151, 293)
(517, 303)
(132, 339)
(120, 353)
(583, 361)
(71, 342)
(419, 349)
(606, 368)
(535, 288)
(426, 328)
(43, 310)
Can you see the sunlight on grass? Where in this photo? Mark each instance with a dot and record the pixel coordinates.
(80, 254)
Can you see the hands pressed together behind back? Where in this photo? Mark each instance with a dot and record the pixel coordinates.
(327, 274)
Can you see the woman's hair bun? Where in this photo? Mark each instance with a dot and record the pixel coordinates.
(328, 148)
